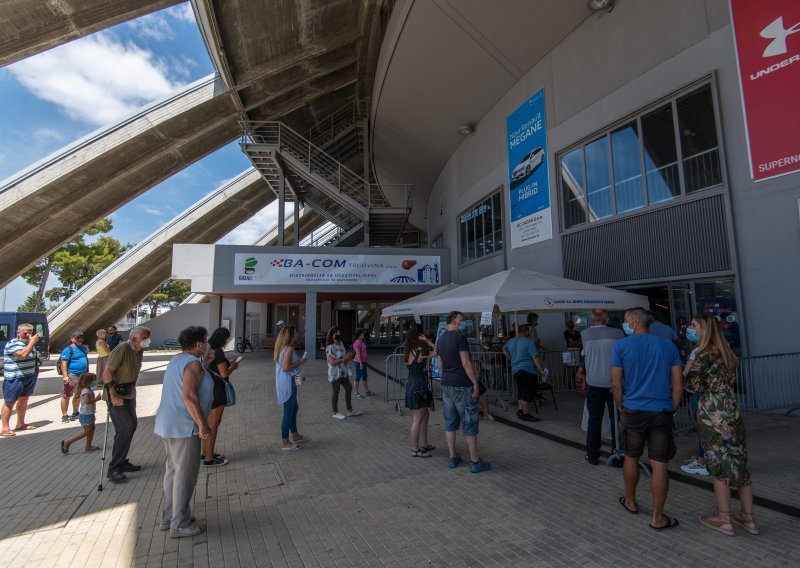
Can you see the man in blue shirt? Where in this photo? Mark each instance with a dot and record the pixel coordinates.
(647, 384)
(112, 338)
(74, 362)
(19, 377)
(460, 392)
(525, 362)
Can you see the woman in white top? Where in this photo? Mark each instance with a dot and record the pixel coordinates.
(338, 375)
(287, 369)
(182, 421)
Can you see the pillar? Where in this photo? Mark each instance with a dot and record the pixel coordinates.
(311, 324)
(281, 208)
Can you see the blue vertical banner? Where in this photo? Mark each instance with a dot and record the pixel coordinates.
(528, 178)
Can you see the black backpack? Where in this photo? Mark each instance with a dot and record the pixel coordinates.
(61, 359)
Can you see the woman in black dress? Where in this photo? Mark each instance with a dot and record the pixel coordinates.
(416, 352)
(220, 370)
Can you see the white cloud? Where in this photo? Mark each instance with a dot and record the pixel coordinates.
(250, 231)
(153, 211)
(97, 79)
(152, 26)
(182, 12)
(48, 134)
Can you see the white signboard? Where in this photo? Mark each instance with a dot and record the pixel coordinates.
(486, 318)
(256, 269)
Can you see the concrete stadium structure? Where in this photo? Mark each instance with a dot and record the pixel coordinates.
(650, 82)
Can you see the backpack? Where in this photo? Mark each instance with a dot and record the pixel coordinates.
(61, 359)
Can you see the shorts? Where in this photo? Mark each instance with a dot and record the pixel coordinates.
(526, 385)
(86, 419)
(69, 387)
(361, 374)
(18, 388)
(637, 427)
(460, 409)
(220, 397)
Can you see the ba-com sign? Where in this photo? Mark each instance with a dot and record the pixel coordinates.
(767, 35)
(529, 187)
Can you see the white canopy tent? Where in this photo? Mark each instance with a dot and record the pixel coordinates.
(516, 290)
(406, 307)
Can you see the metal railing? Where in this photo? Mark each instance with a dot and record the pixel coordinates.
(314, 159)
(398, 195)
(339, 121)
(322, 236)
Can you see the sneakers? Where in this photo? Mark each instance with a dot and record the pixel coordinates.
(591, 461)
(519, 414)
(358, 395)
(65, 418)
(129, 467)
(191, 530)
(339, 416)
(214, 462)
(694, 467)
(530, 418)
(220, 456)
(73, 416)
(353, 413)
(453, 462)
(116, 476)
(479, 466)
(370, 393)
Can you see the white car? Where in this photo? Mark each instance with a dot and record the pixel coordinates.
(528, 164)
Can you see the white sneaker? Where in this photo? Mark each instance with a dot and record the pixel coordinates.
(339, 416)
(353, 413)
(694, 467)
(357, 395)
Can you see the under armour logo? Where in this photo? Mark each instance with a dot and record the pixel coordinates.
(778, 34)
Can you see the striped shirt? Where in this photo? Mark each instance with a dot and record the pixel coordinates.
(18, 368)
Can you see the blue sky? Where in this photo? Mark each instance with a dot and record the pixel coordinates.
(57, 97)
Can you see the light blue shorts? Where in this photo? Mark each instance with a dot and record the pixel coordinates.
(460, 409)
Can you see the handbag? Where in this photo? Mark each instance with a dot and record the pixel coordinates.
(230, 393)
(423, 397)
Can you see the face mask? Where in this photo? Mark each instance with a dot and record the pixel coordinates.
(691, 335)
(463, 326)
(145, 343)
(627, 329)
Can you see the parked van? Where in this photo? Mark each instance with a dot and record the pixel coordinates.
(8, 330)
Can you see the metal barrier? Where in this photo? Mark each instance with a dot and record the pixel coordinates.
(396, 378)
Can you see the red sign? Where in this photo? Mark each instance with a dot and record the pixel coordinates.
(767, 35)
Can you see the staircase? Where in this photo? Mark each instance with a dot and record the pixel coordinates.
(321, 182)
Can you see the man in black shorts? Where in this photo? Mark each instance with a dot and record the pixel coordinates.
(525, 363)
(647, 384)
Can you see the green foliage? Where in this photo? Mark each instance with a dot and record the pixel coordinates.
(170, 293)
(29, 305)
(74, 264)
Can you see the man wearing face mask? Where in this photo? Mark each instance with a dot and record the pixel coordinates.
(646, 379)
(119, 377)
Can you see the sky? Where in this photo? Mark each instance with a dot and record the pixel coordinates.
(54, 98)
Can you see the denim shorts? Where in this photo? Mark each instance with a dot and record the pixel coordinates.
(460, 409)
(361, 374)
(86, 419)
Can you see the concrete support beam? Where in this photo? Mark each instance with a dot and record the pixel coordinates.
(311, 324)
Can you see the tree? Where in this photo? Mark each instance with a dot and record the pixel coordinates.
(170, 293)
(29, 305)
(74, 264)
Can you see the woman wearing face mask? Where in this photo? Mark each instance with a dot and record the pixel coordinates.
(711, 373)
(338, 358)
(182, 422)
(220, 369)
(287, 373)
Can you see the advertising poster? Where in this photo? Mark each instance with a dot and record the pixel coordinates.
(767, 37)
(257, 269)
(529, 186)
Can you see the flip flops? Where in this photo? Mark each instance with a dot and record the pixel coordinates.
(672, 522)
(92, 449)
(24, 427)
(7, 434)
(64, 448)
(624, 506)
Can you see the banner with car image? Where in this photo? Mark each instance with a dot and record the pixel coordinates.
(257, 269)
(528, 181)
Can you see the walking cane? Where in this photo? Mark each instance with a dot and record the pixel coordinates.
(105, 441)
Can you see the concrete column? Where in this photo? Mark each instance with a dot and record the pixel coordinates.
(311, 324)
(281, 208)
(214, 319)
(296, 225)
(327, 308)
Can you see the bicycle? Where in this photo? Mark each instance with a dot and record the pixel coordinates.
(243, 344)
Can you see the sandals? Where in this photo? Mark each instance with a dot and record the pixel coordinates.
(427, 448)
(7, 434)
(24, 427)
(716, 524)
(749, 526)
(420, 453)
(92, 448)
(64, 448)
(672, 522)
(631, 511)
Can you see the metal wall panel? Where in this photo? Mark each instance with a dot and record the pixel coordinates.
(685, 239)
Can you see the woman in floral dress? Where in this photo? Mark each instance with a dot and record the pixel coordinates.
(711, 373)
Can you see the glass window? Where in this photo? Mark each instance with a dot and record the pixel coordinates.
(718, 298)
(572, 188)
(660, 155)
(598, 179)
(481, 229)
(4, 331)
(701, 166)
(627, 168)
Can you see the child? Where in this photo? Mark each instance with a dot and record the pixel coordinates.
(85, 413)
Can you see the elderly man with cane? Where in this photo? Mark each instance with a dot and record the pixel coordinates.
(119, 380)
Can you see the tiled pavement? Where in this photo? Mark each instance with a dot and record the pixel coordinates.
(352, 497)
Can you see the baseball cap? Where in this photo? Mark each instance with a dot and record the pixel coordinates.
(77, 334)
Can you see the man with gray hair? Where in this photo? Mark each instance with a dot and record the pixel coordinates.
(119, 380)
(646, 379)
(19, 378)
(598, 341)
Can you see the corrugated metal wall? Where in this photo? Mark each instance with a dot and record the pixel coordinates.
(686, 239)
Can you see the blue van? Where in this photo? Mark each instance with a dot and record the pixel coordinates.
(8, 330)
